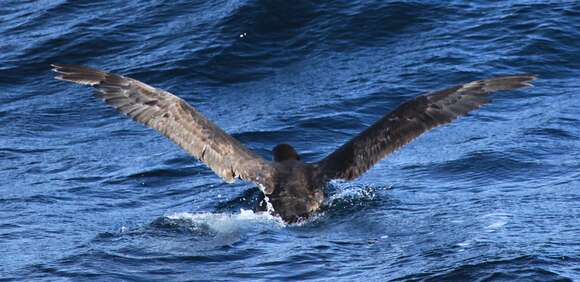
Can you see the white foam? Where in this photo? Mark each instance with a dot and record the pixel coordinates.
(464, 244)
(269, 206)
(496, 221)
(496, 225)
(230, 222)
(352, 192)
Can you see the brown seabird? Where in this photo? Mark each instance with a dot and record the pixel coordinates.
(294, 189)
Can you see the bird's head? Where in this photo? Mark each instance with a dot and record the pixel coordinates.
(284, 152)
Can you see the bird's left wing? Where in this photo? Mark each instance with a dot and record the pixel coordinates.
(410, 120)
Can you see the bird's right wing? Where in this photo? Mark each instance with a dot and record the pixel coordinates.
(175, 119)
(410, 120)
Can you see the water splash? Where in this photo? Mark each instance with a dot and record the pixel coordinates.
(269, 207)
(226, 222)
(351, 195)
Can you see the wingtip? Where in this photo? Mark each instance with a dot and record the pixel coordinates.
(77, 74)
(527, 82)
(519, 81)
(58, 68)
(521, 77)
(55, 67)
(510, 82)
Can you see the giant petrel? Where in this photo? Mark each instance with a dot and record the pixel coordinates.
(293, 188)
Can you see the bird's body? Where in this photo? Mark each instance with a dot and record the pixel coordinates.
(298, 190)
(293, 188)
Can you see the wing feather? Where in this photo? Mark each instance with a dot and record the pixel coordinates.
(410, 120)
(175, 119)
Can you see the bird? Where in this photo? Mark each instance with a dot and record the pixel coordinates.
(293, 188)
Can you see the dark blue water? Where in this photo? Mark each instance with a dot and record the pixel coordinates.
(86, 194)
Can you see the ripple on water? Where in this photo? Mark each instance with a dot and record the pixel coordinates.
(88, 195)
(519, 268)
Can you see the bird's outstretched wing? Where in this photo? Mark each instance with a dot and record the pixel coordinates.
(410, 120)
(174, 118)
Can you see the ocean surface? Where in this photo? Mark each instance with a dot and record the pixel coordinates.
(89, 195)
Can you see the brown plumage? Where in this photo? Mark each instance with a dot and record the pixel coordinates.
(410, 120)
(294, 188)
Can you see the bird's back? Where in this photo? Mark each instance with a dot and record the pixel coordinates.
(298, 190)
